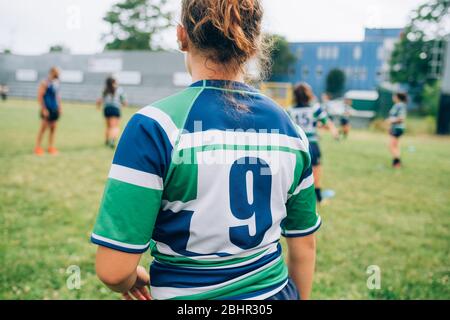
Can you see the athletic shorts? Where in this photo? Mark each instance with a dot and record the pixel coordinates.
(53, 115)
(289, 292)
(345, 121)
(316, 155)
(111, 112)
(397, 132)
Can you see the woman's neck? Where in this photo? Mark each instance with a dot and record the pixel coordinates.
(204, 69)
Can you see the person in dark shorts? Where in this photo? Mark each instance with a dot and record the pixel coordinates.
(308, 116)
(4, 90)
(345, 119)
(113, 99)
(397, 119)
(50, 111)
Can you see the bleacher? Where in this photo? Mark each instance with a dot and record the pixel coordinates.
(152, 74)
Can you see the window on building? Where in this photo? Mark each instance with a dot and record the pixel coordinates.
(334, 54)
(357, 53)
(362, 74)
(319, 71)
(299, 53)
(380, 53)
(305, 72)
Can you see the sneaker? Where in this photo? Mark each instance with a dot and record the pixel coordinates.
(39, 151)
(53, 151)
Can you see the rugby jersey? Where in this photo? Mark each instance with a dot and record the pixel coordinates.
(209, 188)
(307, 118)
(398, 112)
(51, 95)
(114, 100)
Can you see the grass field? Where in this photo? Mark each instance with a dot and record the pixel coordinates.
(398, 221)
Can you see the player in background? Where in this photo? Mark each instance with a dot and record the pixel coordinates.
(309, 115)
(210, 178)
(50, 110)
(345, 119)
(397, 119)
(112, 100)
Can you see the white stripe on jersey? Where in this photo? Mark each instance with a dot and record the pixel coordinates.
(218, 137)
(120, 244)
(164, 121)
(305, 184)
(136, 177)
(299, 232)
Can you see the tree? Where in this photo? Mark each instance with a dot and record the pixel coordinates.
(134, 24)
(411, 61)
(58, 48)
(282, 56)
(335, 83)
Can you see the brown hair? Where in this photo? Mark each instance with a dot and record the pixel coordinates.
(228, 31)
(109, 87)
(403, 97)
(303, 94)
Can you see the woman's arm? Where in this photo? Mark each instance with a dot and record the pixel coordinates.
(99, 103)
(121, 273)
(301, 263)
(40, 97)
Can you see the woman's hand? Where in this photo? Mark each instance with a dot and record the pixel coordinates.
(139, 291)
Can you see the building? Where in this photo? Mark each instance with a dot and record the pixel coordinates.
(365, 63)
(145, 76)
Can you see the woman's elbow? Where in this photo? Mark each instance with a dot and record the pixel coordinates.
(109, 277)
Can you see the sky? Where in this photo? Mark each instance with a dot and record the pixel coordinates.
(31, 27)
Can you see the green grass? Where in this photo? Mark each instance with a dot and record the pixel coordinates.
(398, 221)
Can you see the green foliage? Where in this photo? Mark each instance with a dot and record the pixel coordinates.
(282, 57)
(431, 99)
(335, 83)
(58, 48)
(48, 207)
(411, 59)
(135, 24)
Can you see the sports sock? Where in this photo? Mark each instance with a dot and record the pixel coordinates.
(318, 194)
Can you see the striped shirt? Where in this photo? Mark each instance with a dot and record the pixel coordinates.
(307, 118)
(210, 188)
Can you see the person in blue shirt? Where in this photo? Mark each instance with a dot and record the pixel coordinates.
(210, 178)
(49, 101)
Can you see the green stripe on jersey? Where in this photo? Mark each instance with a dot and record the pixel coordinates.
(141, 206)
(255, 282)
(182, 261)
(177, 107)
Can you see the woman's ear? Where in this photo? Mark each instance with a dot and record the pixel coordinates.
(182, 38)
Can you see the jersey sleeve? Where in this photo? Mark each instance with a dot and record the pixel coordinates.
(132, 196)
(320, 115)
(122, 96)
(302, 217)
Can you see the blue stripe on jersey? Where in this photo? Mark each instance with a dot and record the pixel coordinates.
(144, 146)
(213, 109)
(299, 235)
(257, 293)
(163, 275)
(118, 247)
(308, 172)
